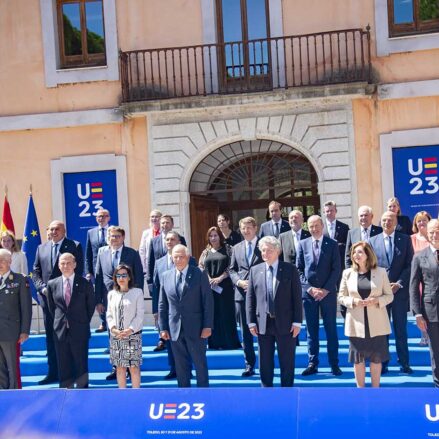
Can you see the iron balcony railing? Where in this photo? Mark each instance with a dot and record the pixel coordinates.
(322, 58)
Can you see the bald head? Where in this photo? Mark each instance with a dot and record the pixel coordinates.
(57, 231)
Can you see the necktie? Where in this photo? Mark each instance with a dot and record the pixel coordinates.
(276, 230)
(102, 237)
(389, 250)
(296, 241)
(437, 259)
(332, 234)
(365, 237)
(179, 288)
(170, 262)
(249, 252)
(114, 261)
(54, 254)
(1, 280)
(316, 251)
(270, 292)
(67, 292)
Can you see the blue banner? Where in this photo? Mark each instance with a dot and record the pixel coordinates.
(416, 179)
(84, 194)
(222, 413)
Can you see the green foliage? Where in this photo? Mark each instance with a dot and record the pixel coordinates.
(428, 9)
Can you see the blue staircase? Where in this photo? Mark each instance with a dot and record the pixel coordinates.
(225, 367)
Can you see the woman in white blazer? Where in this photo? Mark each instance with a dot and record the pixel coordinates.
(125, 312)
(365, 291)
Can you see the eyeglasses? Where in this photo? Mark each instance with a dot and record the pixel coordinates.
(102, 216)
(122, 276)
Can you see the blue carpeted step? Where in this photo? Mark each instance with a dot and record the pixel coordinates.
(150, 336)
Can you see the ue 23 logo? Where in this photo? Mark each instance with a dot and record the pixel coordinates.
(177, 411)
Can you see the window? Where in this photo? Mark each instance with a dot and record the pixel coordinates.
(407, 17)
(81, 33)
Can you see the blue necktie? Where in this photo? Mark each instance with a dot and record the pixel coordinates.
(389, 251)
(114, 261)
(102, 237)
(249, 253)
(276, 231)
(179, 288)
(54, 254)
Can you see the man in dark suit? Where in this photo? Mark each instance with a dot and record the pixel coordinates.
(276, 225)
(318, 262)
(109, 257)
(394, 252)
(186, 316)
(425, 306)
(157, 249)
(96, 238)
(15, 319)
(362, 233)
(245, 255)
(289, 241)
(46, 268)
(336, 230)
(163, 264)
(274, 312)
(71, 302)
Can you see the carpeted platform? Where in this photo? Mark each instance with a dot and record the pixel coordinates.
(225, 367)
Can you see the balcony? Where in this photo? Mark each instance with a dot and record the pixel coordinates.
(318, 59)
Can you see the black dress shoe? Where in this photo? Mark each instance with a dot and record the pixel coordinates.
(101, 328)
(161, 346)
(47, 380)
(384, 370)
(336, 371)
(172, 375)
(406, 369)
(310, 370)
(112, 376)
(248, 372)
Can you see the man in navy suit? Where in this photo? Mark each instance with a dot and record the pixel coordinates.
(335, 229)
(71, 302)
(318, 262)
(163, 264)
(186, 316)
(362, 233)
(245, 255)
(274, 312)
(276, 225)
(157, 249)
(394, 252)
(109, 257)
(289, 241)
(46, 268)
(425, 272)
(96, 238)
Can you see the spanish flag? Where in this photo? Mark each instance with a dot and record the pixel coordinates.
(7, 222)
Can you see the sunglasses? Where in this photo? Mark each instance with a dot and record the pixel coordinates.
(122, 276)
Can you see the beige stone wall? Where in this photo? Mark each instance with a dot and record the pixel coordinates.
(26, 156)
(372, 118)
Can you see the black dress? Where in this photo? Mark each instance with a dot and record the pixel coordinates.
(224, 334)
(233, 238)
(375, 349)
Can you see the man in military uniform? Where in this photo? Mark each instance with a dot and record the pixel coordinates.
(15, 318)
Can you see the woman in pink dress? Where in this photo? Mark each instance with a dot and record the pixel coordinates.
(419, 242)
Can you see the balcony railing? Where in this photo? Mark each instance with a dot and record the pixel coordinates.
(323, 58)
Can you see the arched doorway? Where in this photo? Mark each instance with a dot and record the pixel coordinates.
(241, 178)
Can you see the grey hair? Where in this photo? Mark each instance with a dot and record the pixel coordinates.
(270, 240)
(181, 247)
(315, 217)
(4, 253)
(174, 233)
(367, 208)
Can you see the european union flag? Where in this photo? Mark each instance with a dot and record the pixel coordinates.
(31, 240)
